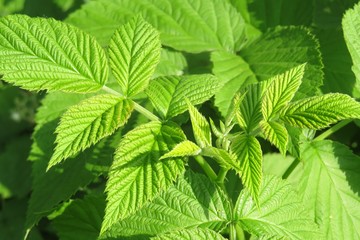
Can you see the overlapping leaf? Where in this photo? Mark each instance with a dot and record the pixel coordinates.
(168, 94)
(276, 133)
(193, 233)
(275, 52)
(45, 54)
(248, 152)
(320, 112)
(171, 63)
(192, 202)
(281, 90)
(281, 214)
(225, 159)
(185, 148)
(351, 27)
(86, 123)
(201, 127)
(192, 26)
(330, 189)
(134, 52)
(137, 175)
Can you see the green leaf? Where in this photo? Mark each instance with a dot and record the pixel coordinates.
(201, 127)
(275, 52)
(281, 90)
(45, 54)
(192, 202)
(184, 25)
(281, 214)
(65, 5)
(320, 112)
(171, 63)
(86, 214)
(137, 175)
(193, 233)
(134, 52)
(185, 148)
(249, 114)
(88, 122)
(168, 94)
(330, 189)
(351, 27)
(248, 152)
(276, 133)
(225, 159)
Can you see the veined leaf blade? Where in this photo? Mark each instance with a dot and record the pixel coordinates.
(276, 134)
(45, 54)
(87, 122)
(134, 52)
(137, 175)
(185, 148)
(225, 159)
(320, 112)
(201, 127)
(281, 214)
(248, 152)
(193, 233)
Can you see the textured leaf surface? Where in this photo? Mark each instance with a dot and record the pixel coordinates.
(134, 52)
(248, 152)
(201, 127)
(45, 54)
(185, 148)
(330, 188)
(281, 214)
(171, 63)
(193, 201)
(281, 90)
(276, 134)
(168, 94)
(194, 233)
(87, 122)
(137, 175)
(275, 52)
(351, 27)
(192, 26)
(320, 112)
(225, 159)
(86, 214)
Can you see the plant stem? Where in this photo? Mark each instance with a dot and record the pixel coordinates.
(333, 129)
(137, 106)
(220, 179)
(206, 167)
(291, 168)
(239, 232)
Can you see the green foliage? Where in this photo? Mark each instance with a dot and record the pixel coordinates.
(163, 119)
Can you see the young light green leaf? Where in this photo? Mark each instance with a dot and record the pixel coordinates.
(192, 26)
(201, 127)
(192, 233)
(351, 27)
(281, 90)
(45, 54)
(168, 94)
(183, 149)
(137, 175)
(225, 159)
(134, 52)
(248, 152)
(192, 202)
(276, 133)
(87, 122)
(281, 214)
(320, 112)
(275, 52)
(330, 189)
(171, 63)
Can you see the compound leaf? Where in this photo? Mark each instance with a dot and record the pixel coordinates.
(201, 127)
(87, 122)
(281, 90)
(45, 54)
(248, 152)
(320, 112)
(185, 148)
(192, 202)
(281, 214)
(137, 175)
(168, 94)
(330, 189)
(134, 52)
(276, 134)
(193, 233)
